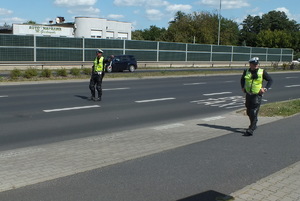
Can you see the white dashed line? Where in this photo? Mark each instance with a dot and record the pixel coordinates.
(112, 89)
(72, 108)
(291, 77)
(189, 84)
(292, 86)
(153, 100)
(213, 94)
(4, 96)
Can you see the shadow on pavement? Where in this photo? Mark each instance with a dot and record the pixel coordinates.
(209, 196)
(228, 128)
(82, 97)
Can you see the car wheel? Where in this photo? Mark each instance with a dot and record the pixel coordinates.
(109, 69)
(131, 68)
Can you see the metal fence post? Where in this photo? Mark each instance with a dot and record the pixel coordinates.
(211, 53)
(83, 49)
(186, 52)
(231, 59)
(34, 48)
(157, 53)
(124, 46)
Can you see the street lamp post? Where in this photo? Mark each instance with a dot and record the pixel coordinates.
(219, 24)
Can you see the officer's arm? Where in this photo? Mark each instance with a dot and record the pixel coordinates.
(268, 78)
(243, 80)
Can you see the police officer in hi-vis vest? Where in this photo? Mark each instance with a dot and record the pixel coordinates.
(98, 71)
(252, 84)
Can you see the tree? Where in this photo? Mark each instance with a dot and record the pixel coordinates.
(154, 33)
(251, 27)
(30, 22)
(203, 27)
(277, 20)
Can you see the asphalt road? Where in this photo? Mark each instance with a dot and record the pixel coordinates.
(44, 113)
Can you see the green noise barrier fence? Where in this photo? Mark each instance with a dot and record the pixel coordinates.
(22, 48)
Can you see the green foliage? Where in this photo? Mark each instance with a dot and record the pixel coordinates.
(87, 71)
(46, 73)
(15, 73)
(30, 73)
(62, 72)
(75, 71)
(274, 39)
(273, 30)
(285, 108)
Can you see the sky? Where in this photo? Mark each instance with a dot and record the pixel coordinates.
(141, 13)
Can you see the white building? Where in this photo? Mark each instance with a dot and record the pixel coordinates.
(88, 27)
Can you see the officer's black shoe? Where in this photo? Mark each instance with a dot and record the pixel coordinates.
(93, 98)
(248, 132)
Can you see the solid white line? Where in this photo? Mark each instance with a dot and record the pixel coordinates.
(292, 86)
(116, 89)
(153, 100)
(72, 108)
(4, 96)
(213, 94)
(187, 84)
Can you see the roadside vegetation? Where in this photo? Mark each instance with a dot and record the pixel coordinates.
(284, 108)
(32, 74)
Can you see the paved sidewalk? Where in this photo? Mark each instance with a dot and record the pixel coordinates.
(283, 185)
(30, 165)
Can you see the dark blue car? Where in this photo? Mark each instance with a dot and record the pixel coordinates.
(122, 62)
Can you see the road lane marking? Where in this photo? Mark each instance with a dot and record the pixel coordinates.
(71, 108)
(4, 96)
(198, 83)
(292, 77)
(213, 118)
(220, 93)
(223, 102)
(169, 126)
(153, 100)
(289, 86)
(112, 89)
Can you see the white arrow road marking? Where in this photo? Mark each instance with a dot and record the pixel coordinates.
(153, 100)
(72, 108)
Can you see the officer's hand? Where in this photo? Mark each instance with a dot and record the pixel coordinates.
(262, 91)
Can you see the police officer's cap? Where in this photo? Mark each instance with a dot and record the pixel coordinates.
(99, 51)
(254, 60)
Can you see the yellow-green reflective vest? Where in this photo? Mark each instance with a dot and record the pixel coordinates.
(98, 64)
(253, 85)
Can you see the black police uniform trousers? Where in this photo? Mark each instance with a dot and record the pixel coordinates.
(252, 104)
(96, 84)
